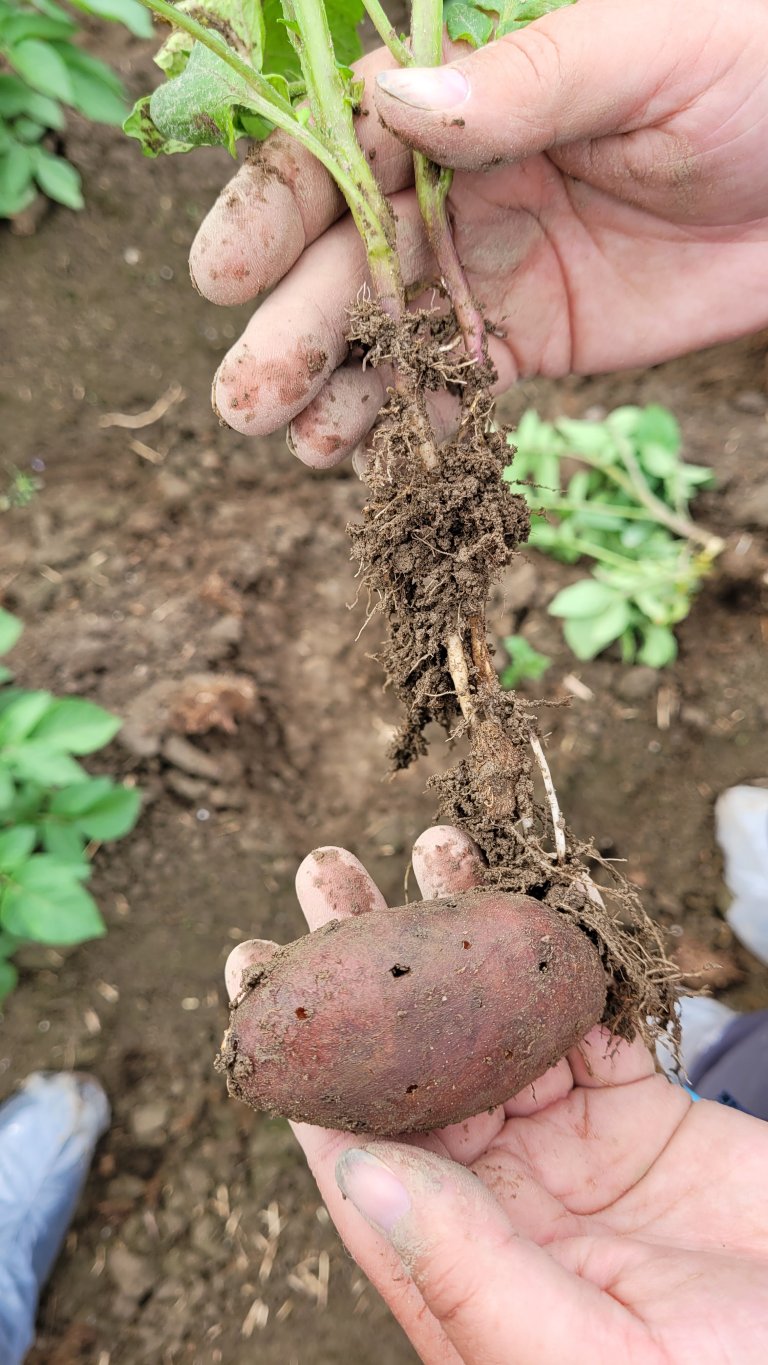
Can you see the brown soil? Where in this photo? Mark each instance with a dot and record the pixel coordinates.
(142, 566)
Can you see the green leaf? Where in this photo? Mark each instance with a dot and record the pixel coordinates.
(128, 12)
(80, 797)
(16, 98)
(197, 108)
(7, 789)
(46, 903)
(97, 92)
(584, 599)
(239, 22)
(27, 24)
(525, 662)
(8, 979)
(588, 636)
(466, 23)
(5, 674)
(28, 131)
(65, 843)
(16, 844)
(10, 630)
(15, 177)
(8, 944)
(22, 714)
(112, 816)
(518, 13)
(659, 646)
(39, 763)
(153, 143)
(43, 67)
(73, 725)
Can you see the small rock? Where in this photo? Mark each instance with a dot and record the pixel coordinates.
(182, 754)
(133, 1276)
(637, 683)
(751, 400)
(695, 717)
(227, 798)
(149, 1122)
(750, 507)
(188, 788)
(520, 586)
(701, 965)
(212, 701)
(172, 491)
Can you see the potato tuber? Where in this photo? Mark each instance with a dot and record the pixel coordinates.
(412, 1018)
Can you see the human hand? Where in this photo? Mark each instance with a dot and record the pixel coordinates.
(610, 207)
(599, 1215)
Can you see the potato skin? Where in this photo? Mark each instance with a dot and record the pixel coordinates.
(412, 1018)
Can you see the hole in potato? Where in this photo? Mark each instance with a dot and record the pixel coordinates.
(543, 965)
(399, 970)
(409, 1089)
(465, 943)
(301, 1013)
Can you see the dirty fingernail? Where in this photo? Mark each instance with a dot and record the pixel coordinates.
(440, 88)
(373, 1188)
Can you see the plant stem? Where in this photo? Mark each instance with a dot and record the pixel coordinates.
(338, 150)
(332, 111)
(634, 484)
(387, 32)
(432, 186)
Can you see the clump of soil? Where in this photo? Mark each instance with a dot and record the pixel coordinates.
(438, 529)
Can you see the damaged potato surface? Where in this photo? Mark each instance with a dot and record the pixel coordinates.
(413, 1018)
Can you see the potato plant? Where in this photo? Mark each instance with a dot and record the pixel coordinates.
(53, 814)
(439, 525)
(43, 70)
(616, 493)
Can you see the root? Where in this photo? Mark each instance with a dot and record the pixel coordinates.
(439, 527)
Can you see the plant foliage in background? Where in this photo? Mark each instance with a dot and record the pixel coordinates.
(42, 70)
(616, 492)
(524, 662)
(51, 812)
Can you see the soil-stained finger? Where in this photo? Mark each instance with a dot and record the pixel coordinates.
(282, 199)
(554, 1085)
(333, 884)
(601, 1060)
(296, 340)
(340, 417)
(446, 862)
(246, 955)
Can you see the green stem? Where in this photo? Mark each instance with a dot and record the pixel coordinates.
(368, 207)
(331, 109)
(387, 32)
(635, 486)
(432, 186)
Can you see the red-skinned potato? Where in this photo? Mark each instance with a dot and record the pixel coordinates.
(413, 1018)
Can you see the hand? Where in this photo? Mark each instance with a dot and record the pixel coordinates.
(598, 1216)
(610, 207)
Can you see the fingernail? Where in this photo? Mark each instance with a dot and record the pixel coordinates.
(441, 87)
(373, 1188)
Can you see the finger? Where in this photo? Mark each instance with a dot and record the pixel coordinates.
(554, 1085)
(380, 1262)
(281, 200)
(340, 417)
(242, 958)
(446, 862)
(601, 1059)
(543, 85)
(491, 1290)
(296, 340)
(332, 884)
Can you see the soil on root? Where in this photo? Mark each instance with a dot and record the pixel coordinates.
(438, 530)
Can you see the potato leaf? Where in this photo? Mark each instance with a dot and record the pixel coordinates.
(198, 108)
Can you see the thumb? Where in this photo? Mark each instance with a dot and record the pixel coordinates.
(591, 69)
(498, 1297)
